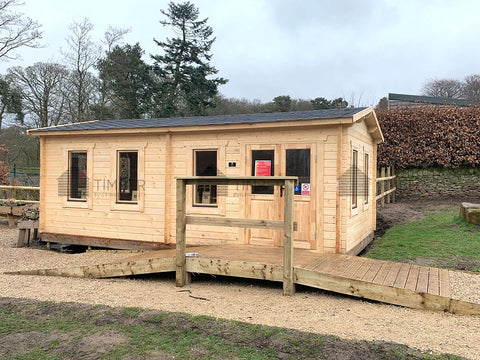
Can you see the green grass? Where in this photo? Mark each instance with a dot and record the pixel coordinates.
(53, 331)
(441, 239)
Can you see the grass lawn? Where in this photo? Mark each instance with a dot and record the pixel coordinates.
(442, 239)
(36, 330)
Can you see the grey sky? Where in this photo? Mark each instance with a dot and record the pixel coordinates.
(359, 50)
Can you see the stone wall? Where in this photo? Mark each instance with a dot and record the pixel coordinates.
(438, 183)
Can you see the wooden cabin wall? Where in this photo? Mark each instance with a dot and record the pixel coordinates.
(168, 155)
(359, 220)
(97, 218)
(234, 147)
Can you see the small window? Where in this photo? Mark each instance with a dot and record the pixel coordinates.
(77, 179)
(205, 165)
(263, 163)
(365, 176)
(298, 164)
(127, 177)
(355, 179)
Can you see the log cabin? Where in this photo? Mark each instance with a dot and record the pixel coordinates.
(111, 183)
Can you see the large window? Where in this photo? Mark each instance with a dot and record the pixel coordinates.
(77, 176)
(127, 177)
(354, 179)
(205, 165)
(263, 162)
(298, 164)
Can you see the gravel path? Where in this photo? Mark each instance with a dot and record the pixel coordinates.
(254, 302)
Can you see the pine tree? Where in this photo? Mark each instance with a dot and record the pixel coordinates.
(183, 71)
(127, 81)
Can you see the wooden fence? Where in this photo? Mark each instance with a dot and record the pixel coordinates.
(10, 192)
(386, 188)
(287, 225)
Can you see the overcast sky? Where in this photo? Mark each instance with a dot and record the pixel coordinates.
(357, 49)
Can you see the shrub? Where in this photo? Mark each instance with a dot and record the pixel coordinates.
(431, 136)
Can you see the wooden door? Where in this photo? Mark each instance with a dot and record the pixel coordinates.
(267, 202)
(262, 202)
(299, 160)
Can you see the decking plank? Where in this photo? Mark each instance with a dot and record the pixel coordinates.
(434, 282)
(422, 283)
(444, 283)
(382, 273)
(412, 278)
(340, 267)
(392, 274)
(353, 267)
(373, 271)
(402, 276)
(360, 273)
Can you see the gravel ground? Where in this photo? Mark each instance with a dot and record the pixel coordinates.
(254, 302)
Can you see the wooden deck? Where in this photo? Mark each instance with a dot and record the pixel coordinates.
(394, 283)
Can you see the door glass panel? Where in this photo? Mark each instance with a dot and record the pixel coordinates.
(298, 164)
(263, 163)
(205, 165)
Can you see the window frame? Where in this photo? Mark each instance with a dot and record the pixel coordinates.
(117, 182)
(69, 178)
(123, 205)
(366, 172)
(67, 202)
(354, 180)
(195, 188)
(220, 208)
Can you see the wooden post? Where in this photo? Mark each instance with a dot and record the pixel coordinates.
(393, 185)
(389, 183)
(288, 284)
(382, 186)
(181, 277)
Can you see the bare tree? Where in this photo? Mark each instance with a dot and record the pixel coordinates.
(41, 88)
(471, 89)
(81, 55)
(16, 30)
(446, 88)
(114, 36)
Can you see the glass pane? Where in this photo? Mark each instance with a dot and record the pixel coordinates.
(127, 176)
(263, 163)
(365, 181)
(298, 164)
(78, 176)
(206, 165)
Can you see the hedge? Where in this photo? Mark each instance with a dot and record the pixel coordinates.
(430, 136)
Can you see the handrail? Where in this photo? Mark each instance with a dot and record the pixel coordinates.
(287, 225)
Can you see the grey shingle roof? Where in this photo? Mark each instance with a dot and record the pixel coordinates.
(205, 120)
(431, 100)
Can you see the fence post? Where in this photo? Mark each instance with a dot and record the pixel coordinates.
(388, 183)
(181, 276)
(288, 284)
(393, 184)
(382, 186)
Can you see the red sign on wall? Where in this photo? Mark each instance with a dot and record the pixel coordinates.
(263, 167)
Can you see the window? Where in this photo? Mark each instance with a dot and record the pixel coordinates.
(205, 165)
(127, 177)
(298, 164)
(263, 163)
(77, 176)
(365, 176)
(354, 179)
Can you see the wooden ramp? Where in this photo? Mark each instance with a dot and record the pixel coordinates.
(394, 283)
